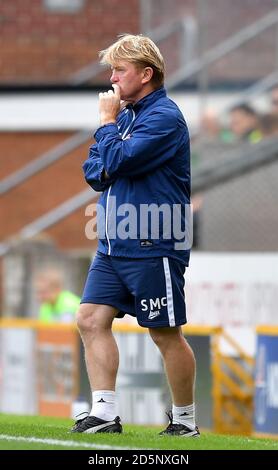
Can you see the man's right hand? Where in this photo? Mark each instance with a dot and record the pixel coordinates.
(109, 105)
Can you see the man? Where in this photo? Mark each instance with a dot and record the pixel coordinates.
(57, 305)
(245, 124)
(141, 158)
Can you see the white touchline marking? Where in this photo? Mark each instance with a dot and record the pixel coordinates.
(58, 442)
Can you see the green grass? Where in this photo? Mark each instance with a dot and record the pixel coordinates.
(134, 437)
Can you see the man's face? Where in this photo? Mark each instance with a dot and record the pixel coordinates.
(130, 79)
(46, 291)
(241, 122)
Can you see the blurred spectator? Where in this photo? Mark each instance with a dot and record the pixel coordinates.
(274, 100)
(269, 124)
(57, 304)
(209, 125)
(211, 129)
(245, 123)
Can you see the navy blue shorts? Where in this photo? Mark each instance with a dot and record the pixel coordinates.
(151, 289)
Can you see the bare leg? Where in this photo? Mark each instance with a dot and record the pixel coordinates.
(179, 363)
(101, 351)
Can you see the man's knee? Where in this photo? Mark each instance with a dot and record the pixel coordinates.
(162, 337)
(93, 318)
(85, 318)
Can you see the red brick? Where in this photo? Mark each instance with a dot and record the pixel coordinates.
(43, 191)
(99, 23)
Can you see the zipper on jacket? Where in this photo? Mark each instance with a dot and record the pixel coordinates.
(109, 190)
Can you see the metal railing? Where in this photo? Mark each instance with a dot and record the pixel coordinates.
(50, 218)
(192, 67)
(226, 46)
(237, 162)
(188, 33)
(44, 161)
(254, 90)
(233, 387)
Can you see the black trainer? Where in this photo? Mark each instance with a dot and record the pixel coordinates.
(179, 429)
(92, 424)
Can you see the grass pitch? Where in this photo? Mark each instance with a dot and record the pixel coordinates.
(41, 433)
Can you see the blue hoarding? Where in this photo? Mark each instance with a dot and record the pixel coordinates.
(266, 383)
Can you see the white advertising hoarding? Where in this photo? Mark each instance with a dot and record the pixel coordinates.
(232, 289)
(18, 371)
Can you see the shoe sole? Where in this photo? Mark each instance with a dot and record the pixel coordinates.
(110, 429)
(187, 434)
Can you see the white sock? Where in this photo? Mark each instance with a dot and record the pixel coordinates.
(184, 415)
(104, 404)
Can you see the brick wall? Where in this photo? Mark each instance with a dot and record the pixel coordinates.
(43, 191)
(40, 46)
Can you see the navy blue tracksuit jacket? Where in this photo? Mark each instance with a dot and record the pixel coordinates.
(147, 157)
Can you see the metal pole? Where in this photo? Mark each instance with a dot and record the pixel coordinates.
(202, 76)
(188, 40)
(145, 15)
(202, 46)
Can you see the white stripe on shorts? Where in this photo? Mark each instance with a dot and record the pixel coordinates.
(169, 292)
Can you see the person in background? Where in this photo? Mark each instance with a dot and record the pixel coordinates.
(56, 304)
(211, 129)
(269, 125)
(245, 124)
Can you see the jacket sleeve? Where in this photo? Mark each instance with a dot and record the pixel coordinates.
(94, 170)
(151, 144)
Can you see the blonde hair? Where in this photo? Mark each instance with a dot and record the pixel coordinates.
(139, 50)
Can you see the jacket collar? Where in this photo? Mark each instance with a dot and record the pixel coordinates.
(149, 99)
